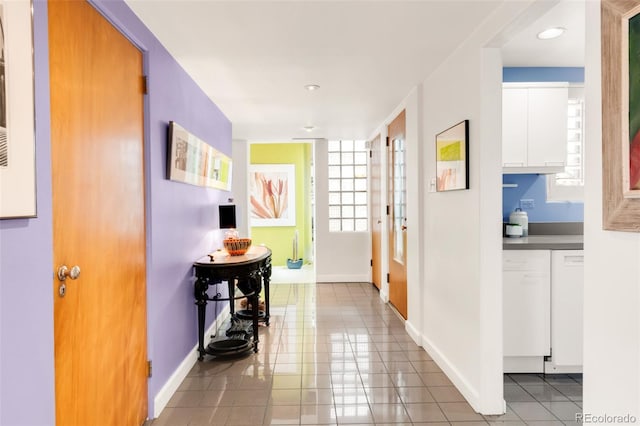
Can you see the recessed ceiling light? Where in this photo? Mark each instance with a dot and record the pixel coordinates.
(309, 128)
(311, 87)
(550, 33)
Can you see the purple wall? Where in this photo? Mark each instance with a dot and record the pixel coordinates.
(26, 265)
(181, 227)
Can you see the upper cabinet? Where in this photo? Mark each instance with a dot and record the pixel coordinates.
(534, 127)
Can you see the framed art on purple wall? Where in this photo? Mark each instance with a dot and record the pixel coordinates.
(191, 160)
(620, 27)
(17, 123)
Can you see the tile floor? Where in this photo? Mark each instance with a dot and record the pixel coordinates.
(334, 354)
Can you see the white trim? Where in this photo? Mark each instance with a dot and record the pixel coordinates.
(448, 368)
(524, 364)
(343, 278)
(173, 383)
(384, 294)
(413, 332)
(551, 368)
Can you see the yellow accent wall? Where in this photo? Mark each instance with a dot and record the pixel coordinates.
(280, 238)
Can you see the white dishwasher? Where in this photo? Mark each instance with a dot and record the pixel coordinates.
(567, 278)
(526, 310)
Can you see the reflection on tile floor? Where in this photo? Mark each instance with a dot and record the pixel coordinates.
(335, 354)
(552, 399)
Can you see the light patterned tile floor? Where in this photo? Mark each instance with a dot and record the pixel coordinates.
(335, 354)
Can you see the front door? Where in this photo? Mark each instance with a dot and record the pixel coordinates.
(98, 219)
(376, 219)
(397, 195)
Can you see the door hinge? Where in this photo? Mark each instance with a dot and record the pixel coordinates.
(149, 368)
(145, 85)
(370, 153)
(388, 210)
(387, 140)
(371, 262)
(388, 277)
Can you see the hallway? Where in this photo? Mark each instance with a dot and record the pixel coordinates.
(334, 354)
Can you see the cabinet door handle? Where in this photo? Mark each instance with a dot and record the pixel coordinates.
(513, 164)
(554, 163)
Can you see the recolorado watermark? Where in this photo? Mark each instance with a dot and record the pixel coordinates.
(605, 418)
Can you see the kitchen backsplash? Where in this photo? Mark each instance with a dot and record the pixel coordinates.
(531, 195)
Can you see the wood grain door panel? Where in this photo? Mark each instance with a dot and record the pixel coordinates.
(98, 219)
(397, 214)
(376, 219)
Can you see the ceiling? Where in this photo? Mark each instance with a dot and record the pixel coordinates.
(525, 50)
(253, 58)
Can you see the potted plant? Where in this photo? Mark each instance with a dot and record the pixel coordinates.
(295, 262)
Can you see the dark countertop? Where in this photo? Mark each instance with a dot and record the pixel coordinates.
(544, 242)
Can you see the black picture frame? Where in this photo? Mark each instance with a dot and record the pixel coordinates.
(452, 158)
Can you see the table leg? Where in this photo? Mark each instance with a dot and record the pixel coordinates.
(232, 292)
(256, 313)
(201, 286)
(266, 278)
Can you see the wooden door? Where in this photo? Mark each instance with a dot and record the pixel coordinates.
(396, 200)
(376, 219)
(98, 219)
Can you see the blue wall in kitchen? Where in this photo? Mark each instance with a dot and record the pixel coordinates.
(533, 186)
(542, 74)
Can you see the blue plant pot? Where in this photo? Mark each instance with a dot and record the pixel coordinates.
(294, 264)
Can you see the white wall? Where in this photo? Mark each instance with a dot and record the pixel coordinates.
(612, 271)
(240, 185)
(340, 256)
(454, 265)
(459, 224)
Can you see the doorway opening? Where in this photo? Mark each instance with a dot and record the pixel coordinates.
(543, 100)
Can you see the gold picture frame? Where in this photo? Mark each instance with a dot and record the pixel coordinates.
(621, 197)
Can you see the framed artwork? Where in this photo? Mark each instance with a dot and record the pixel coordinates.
(17, 124)
(452, 163)
(620, 115)
(272, 192)
(191, 160)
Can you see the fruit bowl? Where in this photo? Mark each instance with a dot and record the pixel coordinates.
(237, 246)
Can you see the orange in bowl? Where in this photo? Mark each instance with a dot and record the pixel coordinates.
(237, 246)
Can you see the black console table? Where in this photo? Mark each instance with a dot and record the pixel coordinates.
(248, 273)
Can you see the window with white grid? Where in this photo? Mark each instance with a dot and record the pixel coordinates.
(569, 185)
(348, 209)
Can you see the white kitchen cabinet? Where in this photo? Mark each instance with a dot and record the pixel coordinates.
(526, 310)
(567, 278)
(534, 127)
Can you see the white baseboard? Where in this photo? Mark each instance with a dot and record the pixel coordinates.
(169, 388)
(523, 364)
(384, 295)
(460, 382)
(343, 278)
(551, 368)
(413, 332)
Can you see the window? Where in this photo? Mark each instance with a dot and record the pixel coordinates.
(569, 185)
(348, 209)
